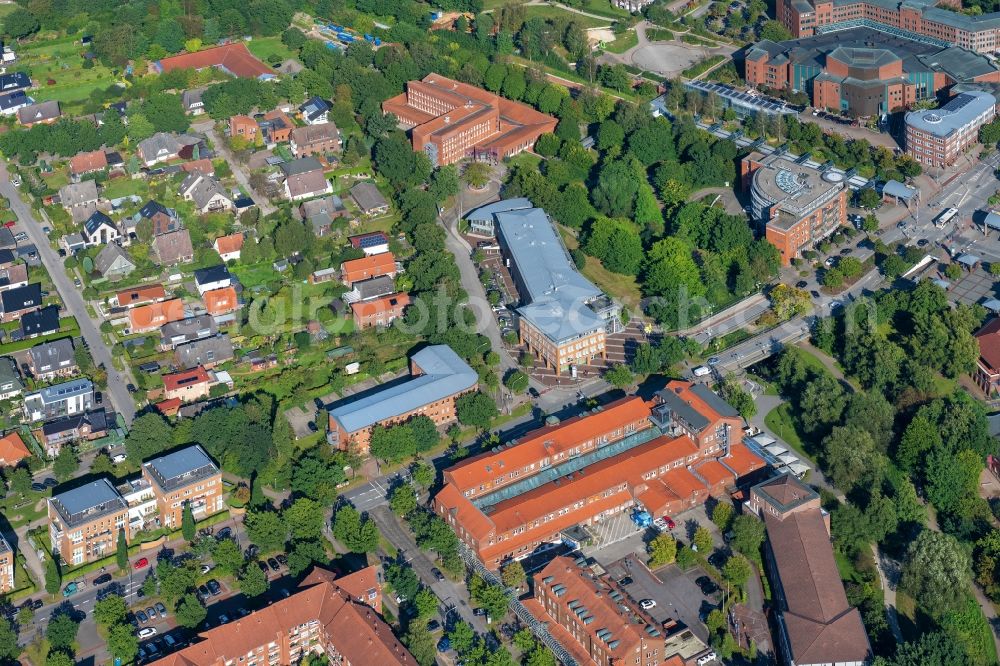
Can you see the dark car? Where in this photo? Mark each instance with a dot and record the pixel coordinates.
(282, 560)
(141, 616)
(224, 533)
(312, 427)
(627, 580)
(251, 551)
(922, 242)
(437, 574)
(50, 482)
(36, 604)
(273, 563)
(707, 585)
(213, 587)
(203, 592)
(38, 487)
(479, 611)
(131, 388)
(102, 579)
(263, 567)
(814, 293)
(801, 284)
(533, 392)
(846, 251)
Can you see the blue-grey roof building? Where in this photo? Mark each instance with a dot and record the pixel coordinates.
(938, 137)
(438, 376)
(84, 522)
(185, 477)
(65, 399)
(563, 318)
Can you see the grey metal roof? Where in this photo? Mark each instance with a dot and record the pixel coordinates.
(684, 411)
(212, 274)
(37, 113)
(894, 188)
(368, 196)
(713, 400)
(88, 502)
(486, 213)
(109, 256)
(52, 353)
(76, 194)
(8, 371)
(444, 374)
(301, 166)
(375, 287)
(216, 349)
(202, 189)
(992, 220)
(557, 294)
(968, 260)
(958, 113)
(97, 419)
(186, 330)
(181, 468)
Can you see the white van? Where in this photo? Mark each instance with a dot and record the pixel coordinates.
(702, 371)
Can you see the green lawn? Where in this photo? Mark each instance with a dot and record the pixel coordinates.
(122, 187)
(6, 9)
(623, 287)
(267, 47)
(61, 60)
(779, 421)
(548, 12)
(257, 274)
(623, 43)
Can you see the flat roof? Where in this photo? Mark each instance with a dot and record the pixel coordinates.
(444, 375)
(88, 502)
(181, 468)
(793, 186)
(960, 111)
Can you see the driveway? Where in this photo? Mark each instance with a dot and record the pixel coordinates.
(239, 171)
(71, 298)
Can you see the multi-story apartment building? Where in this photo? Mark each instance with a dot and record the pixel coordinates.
(53, 359)
(664, 456)
(73, 397)
(438, 377)
(594, 619)
(864, 72)
(939, 21)
(816, 624)
(6, 566)
(324, 617)
(563, 318)
(84, 522)
(938, 138)
(450, 120)
(186, 476)
(796, 205)
(379, 312)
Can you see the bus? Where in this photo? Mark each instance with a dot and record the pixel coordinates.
(944, 218)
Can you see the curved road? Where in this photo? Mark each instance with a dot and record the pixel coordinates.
(72, 299)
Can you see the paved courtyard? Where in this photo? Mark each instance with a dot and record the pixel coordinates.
(973, 287)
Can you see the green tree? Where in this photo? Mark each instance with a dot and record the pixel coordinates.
(736, 570)
(110, 611)
(266, 529)
(774, 31)
(304, 519)
(936, 572)
(20, 480)
(253, 581)
(149, 433)
(722, 516)
(462, 636)
(516, 381)
(102, 465)
(66, 463)
(61, 631)
(53, 575)
(476, 409)
(425, 602)
(190, 613)
(748, 535)
(703, 540)
(227, 557)
(9, 648)
(421, 644)
(423, 474)
(59, 658)
(931, 649)
(403, 500)
(491, 598)
(851, 456)
(122, 643)
(188, 529)
(619, 376)
(869, 198)
(513, 574)
(357, 534)
(121, 551)
(662, 550)
(20, 23)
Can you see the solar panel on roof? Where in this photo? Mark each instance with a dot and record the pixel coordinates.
(371, 241)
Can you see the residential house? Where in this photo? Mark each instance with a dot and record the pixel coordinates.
(11, 385)
(14, 81)
(12, 450)
(233, 58)
(304, 179)
(206, 352)
(41, 322)
(203, 166)
(15, 303)
(320, 213)
(7, 241)
(380, 311)
(987, 375)
(163, 219)
(369, 199)
(84, 163)
(211, 278)
(100, 230)
(315, 140)
(185, 477)
(113, 262)
(375, 242)
(315, 111)
(206, 193)
(42, 113)
(78, 195)
(13, 276)
(187, 330)
(229, 247)
(73, 397)
(87, 426)
(191, 101)
(53, 359)
(221, 301)
(161, 147)
(366, 290)
(153, 316)
(173, 247)
(129, 298)
(243, 126)
(11, 103)
(84, 522)
(366, 268)
(187, 385)
(276, 127)
(7, 257)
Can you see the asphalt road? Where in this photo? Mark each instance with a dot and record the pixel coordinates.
(238, 170)
(71, 298)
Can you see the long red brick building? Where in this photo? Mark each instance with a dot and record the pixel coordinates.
(450, 120)
(666, 455)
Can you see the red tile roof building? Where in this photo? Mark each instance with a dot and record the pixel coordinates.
(129, 298)
(187, 385)
(152, 316)
(221, 301)
(451, 120)
(816, 624)
(234, 58)
(243, 126)
(229, 247)
(380, 311)
(987, 376)
(12, 450)
(368, 267)
(603, 625)
(323, 617)
(88, 162)
(666, 455)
